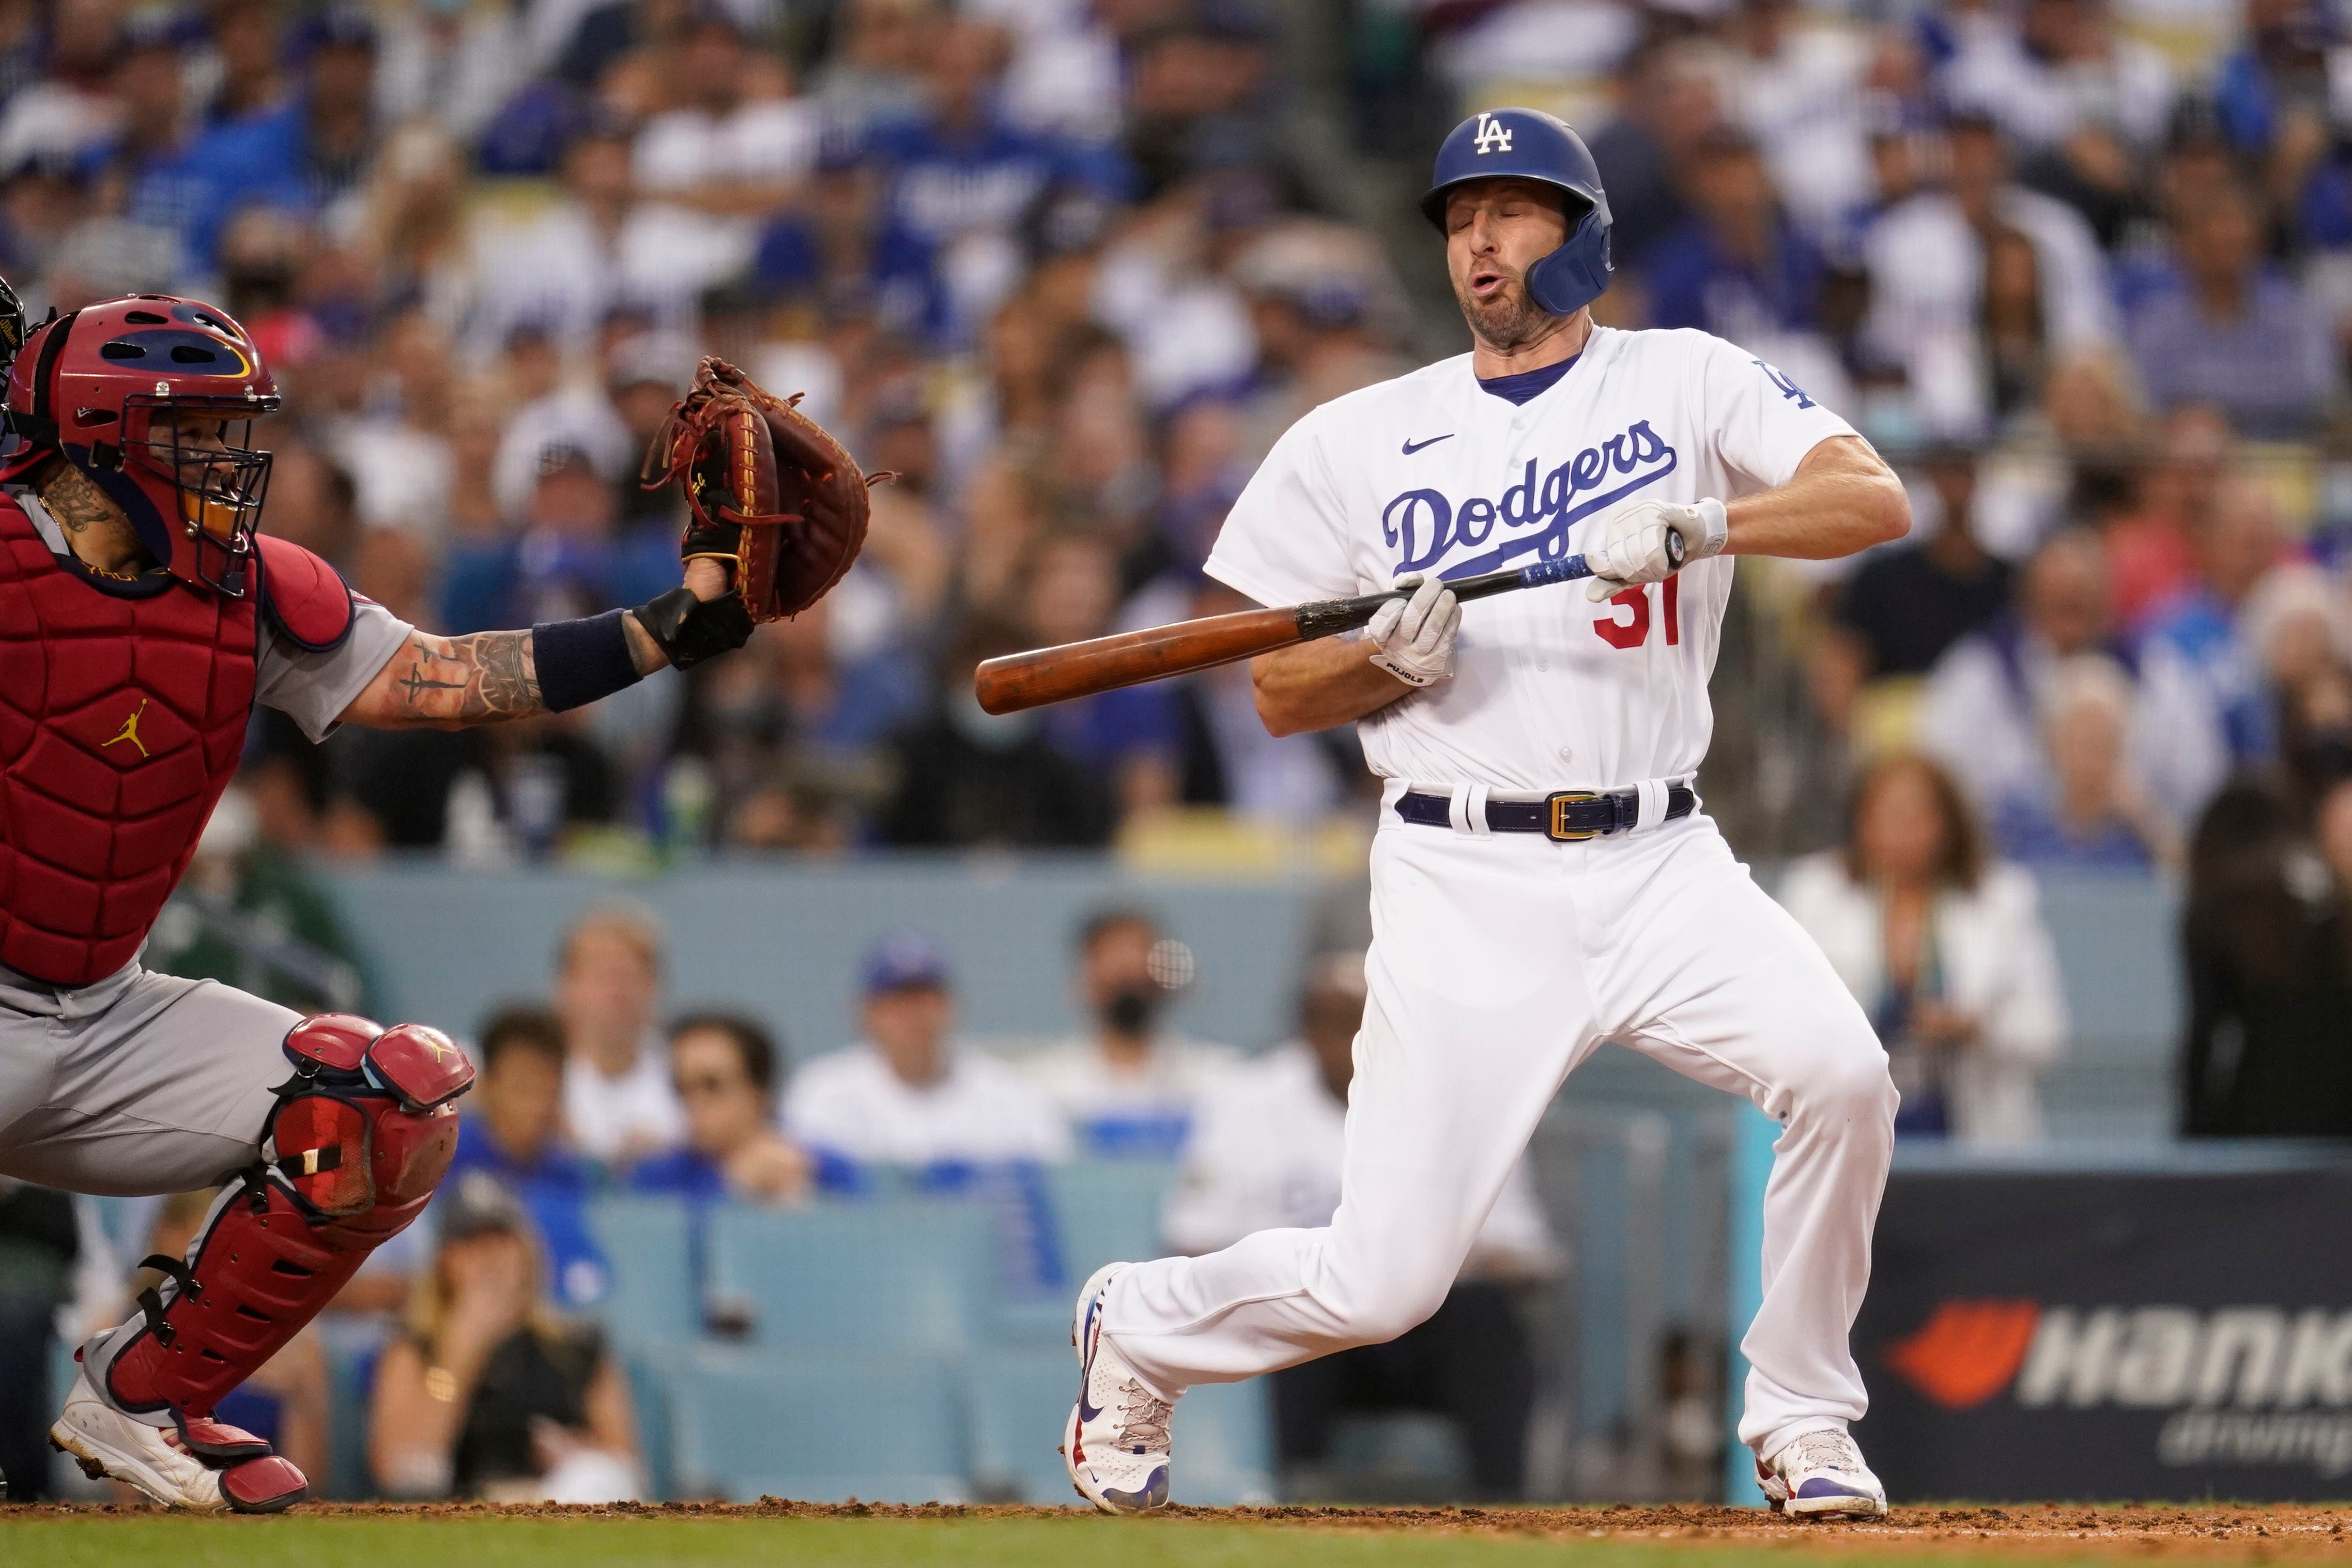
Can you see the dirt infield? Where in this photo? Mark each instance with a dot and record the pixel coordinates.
(2234, 1532)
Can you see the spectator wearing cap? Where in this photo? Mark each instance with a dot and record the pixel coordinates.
(1987, 698)
(487, 1392)
(550, 416)
(1905, 607)
(906, 1093)
(512, 1127)
(1128, 1084)
(1266, 1151)
(618, 1103)
(723, 1066)
(2234, 330)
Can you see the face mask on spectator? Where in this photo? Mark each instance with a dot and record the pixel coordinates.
(1132, 1008)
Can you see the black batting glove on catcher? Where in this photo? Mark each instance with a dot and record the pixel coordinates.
(689, 630)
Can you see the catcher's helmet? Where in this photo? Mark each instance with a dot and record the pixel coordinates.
(154, 397)
(1528, 145)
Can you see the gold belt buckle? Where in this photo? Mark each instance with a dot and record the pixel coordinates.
(1556, 828)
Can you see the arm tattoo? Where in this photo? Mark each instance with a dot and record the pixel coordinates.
(73, 500)
(475, 679)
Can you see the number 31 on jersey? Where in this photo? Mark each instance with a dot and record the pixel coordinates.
(1633, 629)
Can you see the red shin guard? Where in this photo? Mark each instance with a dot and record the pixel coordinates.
(361, 1135)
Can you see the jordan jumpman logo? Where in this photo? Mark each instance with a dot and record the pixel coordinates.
(130, 730)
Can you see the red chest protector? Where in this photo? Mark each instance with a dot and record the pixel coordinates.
(121, 718)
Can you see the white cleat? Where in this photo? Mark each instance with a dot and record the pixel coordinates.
(1116, 1443)
(1821, 1475)
(239, 1472)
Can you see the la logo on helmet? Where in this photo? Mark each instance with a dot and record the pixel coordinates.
(1493, 136)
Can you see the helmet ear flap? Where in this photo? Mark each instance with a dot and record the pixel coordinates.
(1579, 272)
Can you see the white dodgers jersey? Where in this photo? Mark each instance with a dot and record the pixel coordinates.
(1431, 473)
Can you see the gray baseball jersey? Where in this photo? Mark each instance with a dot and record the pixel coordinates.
(145, 1083)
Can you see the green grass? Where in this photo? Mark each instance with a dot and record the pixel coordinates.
(660, 1542)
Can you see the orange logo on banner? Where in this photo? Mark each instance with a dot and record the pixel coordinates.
(1967, 1350)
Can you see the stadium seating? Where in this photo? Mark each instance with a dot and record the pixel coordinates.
(649, 1245)
(860, 1374)
(865, 1275)
(1018, 1397)
(819, 1426)
(1105, 1210)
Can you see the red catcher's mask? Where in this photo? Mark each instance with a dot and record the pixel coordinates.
(154, 398)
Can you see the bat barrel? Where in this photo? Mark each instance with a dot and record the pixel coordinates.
(1023, 681)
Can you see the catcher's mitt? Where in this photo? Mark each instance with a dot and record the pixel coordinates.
(768, 489)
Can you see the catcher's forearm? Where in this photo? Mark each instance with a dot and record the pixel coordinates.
(645, 653)
(450, 682)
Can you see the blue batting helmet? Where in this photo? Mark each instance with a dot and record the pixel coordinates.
(1528, 145)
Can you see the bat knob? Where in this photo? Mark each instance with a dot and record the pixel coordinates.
(1675, 549)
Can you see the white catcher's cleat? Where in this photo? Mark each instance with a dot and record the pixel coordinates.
(203, 1465)
(1821, 1475)
(1116, 1443)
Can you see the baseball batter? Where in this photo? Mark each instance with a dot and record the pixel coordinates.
(1543, 880)
(140, 618)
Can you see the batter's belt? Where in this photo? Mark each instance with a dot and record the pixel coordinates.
(1565, 816)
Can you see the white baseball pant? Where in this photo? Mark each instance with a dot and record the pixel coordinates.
(1499, 963)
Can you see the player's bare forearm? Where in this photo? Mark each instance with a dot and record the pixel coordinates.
(1318, 684)
(1843, 497)
(447, 683)
(484, 678)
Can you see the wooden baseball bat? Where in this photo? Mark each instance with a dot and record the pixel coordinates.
(1019, 680)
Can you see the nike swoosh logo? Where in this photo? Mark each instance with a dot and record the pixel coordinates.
(1088, 1413)
(1412, 447)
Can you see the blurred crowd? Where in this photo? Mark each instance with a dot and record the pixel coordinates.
(1067, 267)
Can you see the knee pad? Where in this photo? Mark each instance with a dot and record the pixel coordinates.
(359, 1137)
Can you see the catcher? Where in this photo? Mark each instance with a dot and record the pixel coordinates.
(140, 618)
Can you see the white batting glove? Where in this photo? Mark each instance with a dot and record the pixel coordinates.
(1634, 546)
(1415, 636)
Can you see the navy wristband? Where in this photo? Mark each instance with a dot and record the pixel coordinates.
(579, 662)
